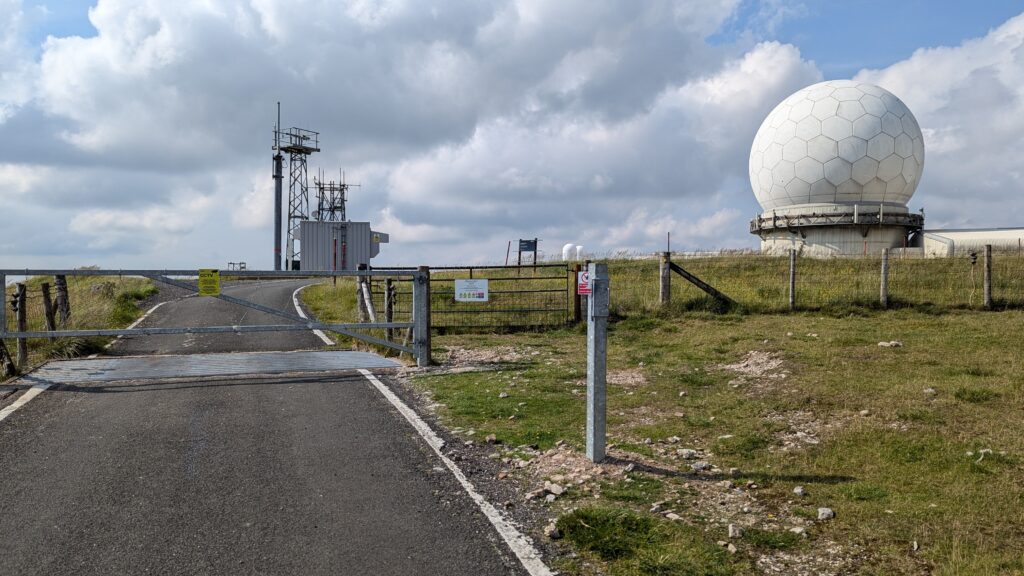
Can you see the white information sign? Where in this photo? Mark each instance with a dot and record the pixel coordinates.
(471, 290)
(583, 283)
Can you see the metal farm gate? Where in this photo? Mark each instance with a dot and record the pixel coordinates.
(416, 312)
(541, 296)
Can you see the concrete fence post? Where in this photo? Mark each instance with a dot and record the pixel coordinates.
(421, 316)
(792, 279)
(665, 293)
(883, 290)
(22, 326)
(597, 351)
(988, 277)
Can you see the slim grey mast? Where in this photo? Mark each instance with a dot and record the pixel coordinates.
(278, 177)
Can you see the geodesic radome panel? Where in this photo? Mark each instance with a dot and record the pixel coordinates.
(839, 142)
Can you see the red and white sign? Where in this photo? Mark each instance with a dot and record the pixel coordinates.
(583, 283)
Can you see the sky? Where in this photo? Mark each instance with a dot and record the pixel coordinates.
(138, 133)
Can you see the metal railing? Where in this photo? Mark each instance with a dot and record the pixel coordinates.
(419, 321)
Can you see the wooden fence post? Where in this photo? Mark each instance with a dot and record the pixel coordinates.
(988, 277)
(63, 302)
(577, 314)
(665, 292)
(389, 307)
(792, 279)
(22, 327)
(883, 294)
(48, 313)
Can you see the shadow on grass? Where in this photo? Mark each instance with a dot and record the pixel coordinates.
(762, 476)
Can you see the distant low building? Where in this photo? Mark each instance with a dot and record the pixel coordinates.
(338, 245)
(947, 243)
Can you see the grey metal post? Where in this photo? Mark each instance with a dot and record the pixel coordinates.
(278, 177)
(792, 279)
(597, 351)
(665, 294)
(988, 277)
(421, 316)
(22, 327)
(883, 294)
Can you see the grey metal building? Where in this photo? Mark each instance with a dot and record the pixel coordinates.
(338, 245)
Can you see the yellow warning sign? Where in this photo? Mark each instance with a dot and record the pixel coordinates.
(376, 237)
(209, 282)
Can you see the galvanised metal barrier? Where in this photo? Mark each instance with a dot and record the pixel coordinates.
(419, 321)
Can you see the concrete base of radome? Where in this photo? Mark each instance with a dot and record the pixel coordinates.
(834, 241)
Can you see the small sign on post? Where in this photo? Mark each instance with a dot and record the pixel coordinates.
(474, 290)
(583, 283)
(209, 282)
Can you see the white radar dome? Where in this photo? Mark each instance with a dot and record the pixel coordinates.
(837, 142)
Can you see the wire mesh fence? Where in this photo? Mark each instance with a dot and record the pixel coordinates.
(760, 283)
(518, 297)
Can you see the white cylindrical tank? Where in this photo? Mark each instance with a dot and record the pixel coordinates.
(579, 253)
(567, 251)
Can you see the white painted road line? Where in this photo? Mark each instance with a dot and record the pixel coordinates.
(298, 308)
(133, 325)
(520, 544)
(24, 399)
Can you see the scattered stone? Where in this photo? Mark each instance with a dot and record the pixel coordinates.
(682, 393)
(550, 498)
(929, 391)
(789, 333)
(657, 507)
(734, 472)
(552, 531)
(726, 484)
(891, 344)
(735, 531)
(673, 439)
(554, 489)
(673, 516)
(502, 474)
(629, 468)
(731, 548)
(914, 546)
(745, 509)
(810, 335)
(725, 436)
(687, 453)
(826, 514)
(722, 543)
(491, 439)
(467, 443)
(533, 494)
(799, 491)
(798, 530)
(503, 395)
(865, 412)
(700, 466)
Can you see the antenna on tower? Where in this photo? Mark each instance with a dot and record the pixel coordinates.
(331, 198)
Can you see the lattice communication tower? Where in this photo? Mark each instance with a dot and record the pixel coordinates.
(298, 144)
(331, 198)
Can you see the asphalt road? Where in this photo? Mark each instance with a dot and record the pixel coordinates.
(303, 474)
(200, 311)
